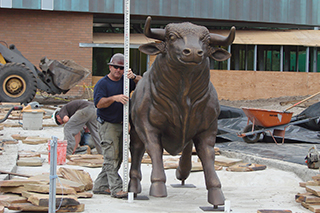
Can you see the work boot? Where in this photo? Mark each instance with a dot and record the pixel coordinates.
(120, 194)
(83, 150)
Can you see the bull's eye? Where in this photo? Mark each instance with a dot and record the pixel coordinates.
(206, 39)
(172, 37)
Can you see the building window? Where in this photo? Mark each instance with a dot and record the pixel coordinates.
(6, 3)
(295, 58)
(242, 57)
(47, 4)
(268, 58)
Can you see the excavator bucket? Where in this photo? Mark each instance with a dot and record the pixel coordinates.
(66, 73)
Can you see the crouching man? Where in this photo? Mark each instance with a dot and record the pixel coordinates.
(75, 115)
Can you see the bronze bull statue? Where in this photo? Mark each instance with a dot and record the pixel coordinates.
(175, 106)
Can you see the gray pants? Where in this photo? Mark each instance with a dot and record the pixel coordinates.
(86, 116)
(111, 142)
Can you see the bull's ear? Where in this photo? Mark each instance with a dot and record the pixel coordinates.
(152, 48)
(220, 54)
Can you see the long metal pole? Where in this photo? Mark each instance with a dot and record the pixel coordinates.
(53, 174)
(281, 58)
(307, 58)
(126, 138)
(255, 58)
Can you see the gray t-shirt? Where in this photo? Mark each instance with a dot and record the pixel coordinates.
(70, 108)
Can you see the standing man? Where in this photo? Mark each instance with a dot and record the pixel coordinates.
(77, 114)
(109, 100)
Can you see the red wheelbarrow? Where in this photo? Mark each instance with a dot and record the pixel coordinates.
(271, 121)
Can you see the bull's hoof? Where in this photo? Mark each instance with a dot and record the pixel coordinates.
(180, 175)
(158, 189)
(135, 185)
(215, 196)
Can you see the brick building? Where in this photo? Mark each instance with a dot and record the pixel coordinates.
(278, 37)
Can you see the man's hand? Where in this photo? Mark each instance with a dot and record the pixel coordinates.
(121, 98)
(65, 119)
(131, 75)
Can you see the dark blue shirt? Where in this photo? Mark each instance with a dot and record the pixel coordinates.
(106, 87)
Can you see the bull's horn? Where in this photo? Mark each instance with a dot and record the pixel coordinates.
(220, 40)
(153, 33)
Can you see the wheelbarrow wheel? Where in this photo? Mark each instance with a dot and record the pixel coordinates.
(251, 138)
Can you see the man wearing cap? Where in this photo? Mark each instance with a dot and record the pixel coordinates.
(109, 100)
(76, 114)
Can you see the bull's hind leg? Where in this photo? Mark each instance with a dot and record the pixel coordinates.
(204, 144)
(137, 150)
(185, 163)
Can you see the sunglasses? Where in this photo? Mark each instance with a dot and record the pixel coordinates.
(118, 67)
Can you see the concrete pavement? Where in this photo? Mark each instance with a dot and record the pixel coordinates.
(272, 188)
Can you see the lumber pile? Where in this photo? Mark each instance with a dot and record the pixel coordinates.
(32, 194)
(311, 198)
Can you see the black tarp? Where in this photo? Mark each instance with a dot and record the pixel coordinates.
(298, 138)
(233, 120)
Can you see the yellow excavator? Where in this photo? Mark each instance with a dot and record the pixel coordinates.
(20, 79)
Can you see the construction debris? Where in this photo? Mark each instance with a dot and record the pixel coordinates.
(33, 208)
(28, 154)
(40, 199)
(86, 160)
(45, 188)
(7, 199)
(8, 141)
(78, 176)
(19, 137)
(30, 161)
(15, 174)
(226, 162)
(33, 192)
(246, 167)
(34, 140)
(29, 158)
(311, 199)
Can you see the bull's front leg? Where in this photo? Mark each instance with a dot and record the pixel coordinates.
(204, 144)
(158, 178)
(137, 150)
(151, 139)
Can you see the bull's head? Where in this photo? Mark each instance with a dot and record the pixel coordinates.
(187, 43)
